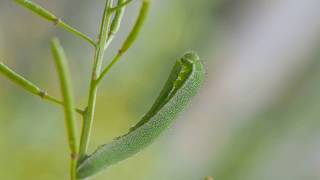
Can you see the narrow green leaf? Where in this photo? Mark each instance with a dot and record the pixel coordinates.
(66, 89)
(184, 82)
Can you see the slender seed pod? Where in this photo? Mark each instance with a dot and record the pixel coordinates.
(38, 10)
(183, 83)
(66, 89)
(137, 27)
(67, 94)
(116, 22)
(21, 81)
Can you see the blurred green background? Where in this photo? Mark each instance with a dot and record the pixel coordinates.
(257, 116)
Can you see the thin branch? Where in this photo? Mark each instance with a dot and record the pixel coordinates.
(76, 32)
(29, 86)
(46, 14)
(107, 69)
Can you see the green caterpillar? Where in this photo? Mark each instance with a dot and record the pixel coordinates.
(184, 82)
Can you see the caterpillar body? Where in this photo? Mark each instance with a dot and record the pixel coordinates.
(183, 83)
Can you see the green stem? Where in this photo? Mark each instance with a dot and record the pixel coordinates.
(107, 69)
(99, 54)
(29, 86)
(59, 102)
(76, 32)
(67, 94)
(46, 14)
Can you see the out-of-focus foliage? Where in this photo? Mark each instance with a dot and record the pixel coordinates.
(278, 140)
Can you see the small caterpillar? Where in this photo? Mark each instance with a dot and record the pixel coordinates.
(184, 82)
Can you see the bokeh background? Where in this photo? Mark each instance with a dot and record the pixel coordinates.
(257, 116)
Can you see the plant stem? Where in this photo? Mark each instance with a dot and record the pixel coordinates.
(29, 86)
(75, 32)
(107, 69)
(99, 53)
(59, 102)
(67, 94)
(46, 14)
(98, 57)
